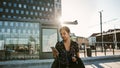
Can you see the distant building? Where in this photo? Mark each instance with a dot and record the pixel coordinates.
(29, 27)
(92, 39)
(73, 37)
(82, 41)
(111, 38)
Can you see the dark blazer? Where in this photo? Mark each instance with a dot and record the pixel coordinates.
(65, 57)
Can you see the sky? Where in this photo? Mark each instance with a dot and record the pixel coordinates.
(86, 12)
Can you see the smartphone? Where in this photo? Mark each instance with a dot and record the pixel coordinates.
(54, 49)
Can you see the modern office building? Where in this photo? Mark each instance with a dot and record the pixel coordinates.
(28, 28)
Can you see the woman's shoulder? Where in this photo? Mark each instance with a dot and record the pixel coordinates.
(74, 42)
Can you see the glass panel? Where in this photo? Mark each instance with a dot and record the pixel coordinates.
(17, 11)
(1, 45)
(24, 6)
(22, 42)
(4, 3)
(38, 8)
(20, 5)
(1, 9)
(9, 4)
(1, 23)
(15, 5)
(49, 39)
(7, 10)
(12, 11)
(3, 16)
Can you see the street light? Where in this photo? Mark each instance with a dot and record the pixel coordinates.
(72, 23)
(101, 29)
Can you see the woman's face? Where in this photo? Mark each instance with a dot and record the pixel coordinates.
(64, 34)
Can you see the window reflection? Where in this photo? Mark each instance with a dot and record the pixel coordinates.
(21, 41)
(49, 39)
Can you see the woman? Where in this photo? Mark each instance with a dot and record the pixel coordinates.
(67, 52)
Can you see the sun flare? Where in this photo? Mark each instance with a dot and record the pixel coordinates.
(61, 20)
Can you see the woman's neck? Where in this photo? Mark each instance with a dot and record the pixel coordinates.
(67, 44)
(67, 41)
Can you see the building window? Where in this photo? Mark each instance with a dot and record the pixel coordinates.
(19, 31)
(12, 11)
(20, 36)
(26, 24)
(11, 24)
(22, 12)
(29, 18)
(38, 8)
(8, 30)
(48, 4)
(9, 16)
(19, 17)
(46, 9)
(36, 13)
(3, 16)
(33, 7)
(6, 23)
(29, 31)
(20, 5)
(15, 5)
(48, 40)
(40, 14)
(1, 9)
(9, 4)
(14, 17)
(33, 32)
(37, 32)
(31, 25)
(16, 24)
(27, 12)
(31, 1)
(50, 9)
(24, 17)
(4, 3)
(2, 30)
(21, 24)
(14, 30)
(24, 31)
(42, 8)
(6, 10)
(36, 25)
(40, 3)
(1, 23)
(17, 11)
(24, 6)
(31, 13)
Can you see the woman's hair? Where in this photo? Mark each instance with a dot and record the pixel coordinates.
(65, 28)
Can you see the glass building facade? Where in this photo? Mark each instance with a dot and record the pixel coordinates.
(27, 9)
(27, 28)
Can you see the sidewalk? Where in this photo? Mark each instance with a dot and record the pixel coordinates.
(49, 61)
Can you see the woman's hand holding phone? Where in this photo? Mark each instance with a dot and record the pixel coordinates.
(55, 52)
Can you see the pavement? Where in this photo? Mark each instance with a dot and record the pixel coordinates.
(14, 63)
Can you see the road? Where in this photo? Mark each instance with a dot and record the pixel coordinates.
(107, 63)
(112, 63)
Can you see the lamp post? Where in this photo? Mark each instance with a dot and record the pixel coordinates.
(71, 22)
(115, 38)
(101, 30)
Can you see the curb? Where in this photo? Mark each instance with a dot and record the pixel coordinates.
(49, 61)
(98, 58)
